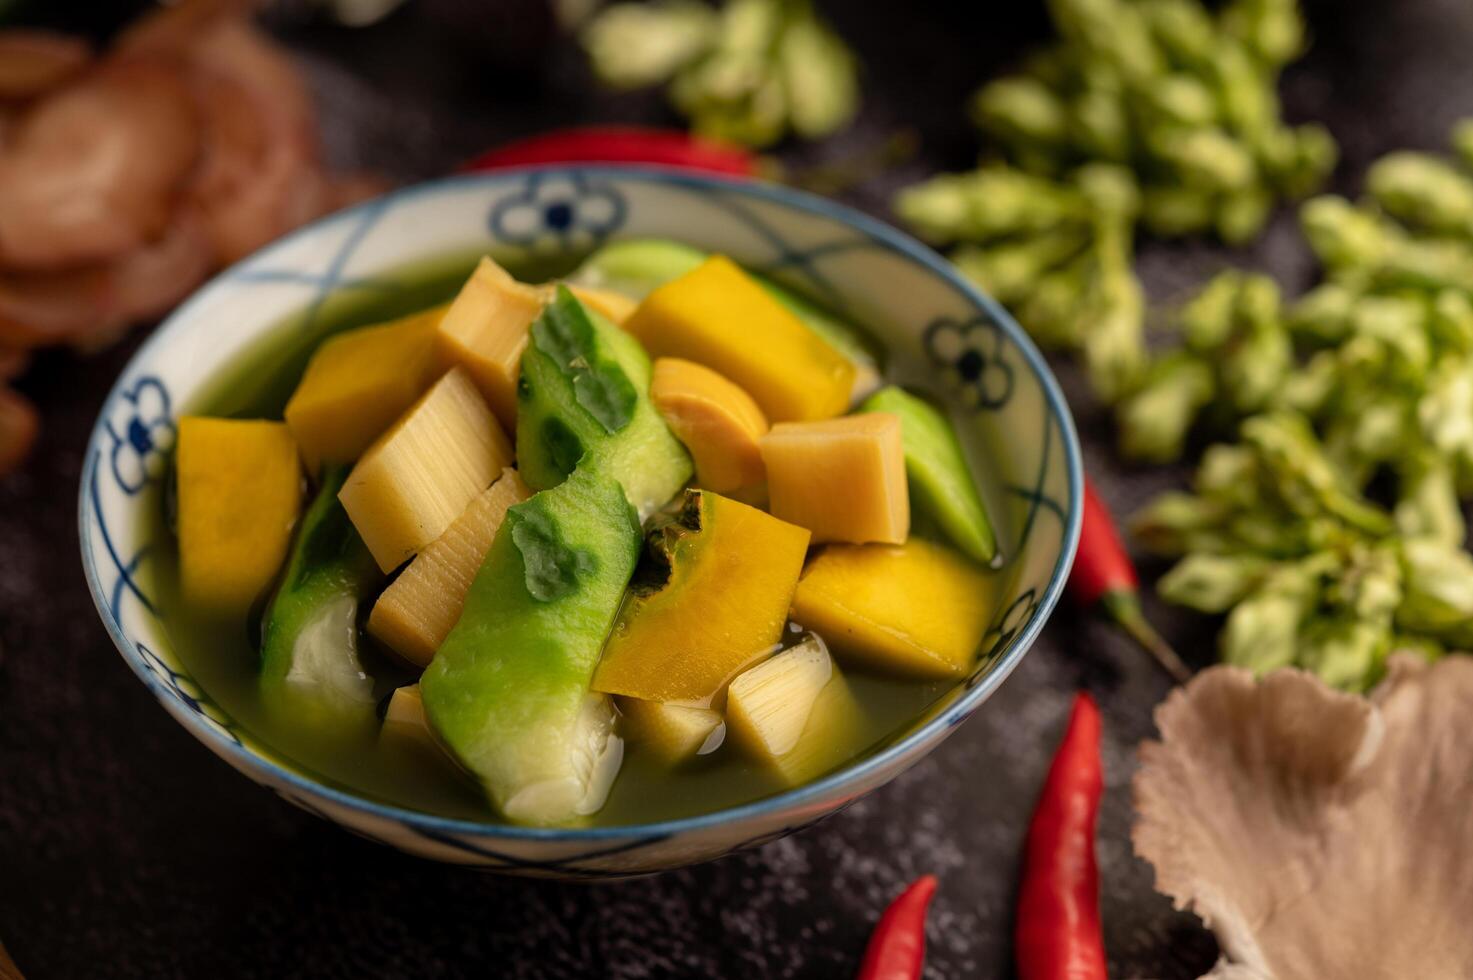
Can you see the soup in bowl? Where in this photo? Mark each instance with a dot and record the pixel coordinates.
(580, 521)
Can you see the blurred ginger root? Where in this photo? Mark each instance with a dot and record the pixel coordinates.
(127, 177)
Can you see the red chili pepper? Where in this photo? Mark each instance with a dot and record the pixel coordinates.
(1104, 578)
(1058, 931)
(897, 948)
(620, 144)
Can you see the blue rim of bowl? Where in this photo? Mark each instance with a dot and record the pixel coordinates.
(878, 232)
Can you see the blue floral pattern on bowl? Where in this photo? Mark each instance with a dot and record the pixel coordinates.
(142, 435)
(1007, 406)
(558, 213)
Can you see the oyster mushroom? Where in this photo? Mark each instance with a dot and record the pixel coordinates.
(91, 171)
(35, 62)
(1318, 834)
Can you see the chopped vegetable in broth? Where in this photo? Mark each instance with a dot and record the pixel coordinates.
(538, 576)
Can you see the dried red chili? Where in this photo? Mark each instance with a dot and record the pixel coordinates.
(1058, 933)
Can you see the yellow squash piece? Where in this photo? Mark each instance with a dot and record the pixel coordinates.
(612, 306)
(718, 316)
(405, 716)
(485, 330)
(717, 421)
(796, 715)
(417, 612)
(358, 383)
(919, 609)
(420, 475)
(723, 605)
(843, 479)
(239, 493)
(670, 732)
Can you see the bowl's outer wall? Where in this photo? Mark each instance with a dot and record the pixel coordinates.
(933, 324)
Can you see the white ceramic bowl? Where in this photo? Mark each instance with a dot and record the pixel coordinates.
(937, 328)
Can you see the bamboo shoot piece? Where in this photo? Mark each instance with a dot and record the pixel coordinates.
(796, 715)
(484, 331)
(405, 717)
(612, 306)
(843, 479)
(417, 611)
(672, 733)
(421, 474)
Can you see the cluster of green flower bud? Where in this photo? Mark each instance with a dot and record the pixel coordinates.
(1307, 570)
(1057, 253)
(1362, 386)
(1379, 356)
(1184, 99)
(751, 72)
(1152, 113)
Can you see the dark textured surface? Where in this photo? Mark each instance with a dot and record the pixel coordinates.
(127, 849)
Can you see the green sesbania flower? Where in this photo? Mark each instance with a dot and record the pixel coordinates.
(1186, 99)
(1379, 356)
(751, 72)
(1163, 106)
(1059, 253)
(1367, 385)
(1307, 571)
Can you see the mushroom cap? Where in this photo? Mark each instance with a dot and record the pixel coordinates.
(1318, 834)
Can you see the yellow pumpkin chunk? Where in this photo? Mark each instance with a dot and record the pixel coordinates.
(843, 479)
(357, 384)
(717, 315)
(239, 492)
(414, 614)
(420, 475)
(670, 732)
(405, 716)
(612, 306)
(722, 606)
(764, 715)
(919, 609)
(485, 331)
(717, 421)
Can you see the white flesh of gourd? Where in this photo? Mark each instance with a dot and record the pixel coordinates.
(325, 654)
(594, 756)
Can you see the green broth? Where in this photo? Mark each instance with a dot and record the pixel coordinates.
(222, 656)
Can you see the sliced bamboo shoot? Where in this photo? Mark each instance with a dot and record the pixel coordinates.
(612, 306)
(836, 731)
(843, 479)
(671, 732)
(417, 612)
(767, 707)
(420, 475)
(405, 717)
(485, 330)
